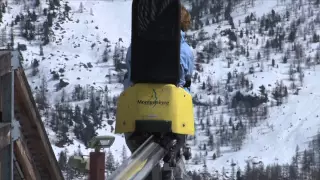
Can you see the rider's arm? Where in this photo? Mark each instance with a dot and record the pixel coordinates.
(186, 63)
(126, 81)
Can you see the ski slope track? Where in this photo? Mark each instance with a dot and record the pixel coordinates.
(272, 141)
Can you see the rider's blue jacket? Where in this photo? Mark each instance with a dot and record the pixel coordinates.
(186, 63)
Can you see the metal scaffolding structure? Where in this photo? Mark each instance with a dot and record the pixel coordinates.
(25, 150)
(7, 67)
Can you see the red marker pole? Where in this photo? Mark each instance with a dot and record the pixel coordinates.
(97, 166)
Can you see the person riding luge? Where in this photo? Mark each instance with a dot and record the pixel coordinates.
(186, 70)
(186, 55)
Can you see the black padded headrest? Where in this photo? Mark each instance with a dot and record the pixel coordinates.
(155, 44)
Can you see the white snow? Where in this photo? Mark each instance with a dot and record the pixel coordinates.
(274, 140)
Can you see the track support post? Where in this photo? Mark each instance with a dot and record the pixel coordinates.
(97, 165)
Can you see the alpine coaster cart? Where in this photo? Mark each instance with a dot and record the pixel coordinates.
(155, 110)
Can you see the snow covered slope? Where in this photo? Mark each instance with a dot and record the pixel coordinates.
(94, 22)
(293, 123)
(77, 52)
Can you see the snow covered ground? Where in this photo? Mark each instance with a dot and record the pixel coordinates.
(274, 140)
(72, 49)
(290, 125)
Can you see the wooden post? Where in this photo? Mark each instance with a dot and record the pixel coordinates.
(97, 166)
(7, 93)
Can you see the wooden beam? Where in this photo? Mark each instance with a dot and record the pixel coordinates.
(24, 158)
(7, 91)
(28, 105)
(5, 62)
(4, 135)
(31, 138)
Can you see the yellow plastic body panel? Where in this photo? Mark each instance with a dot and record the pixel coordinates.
(155, 102)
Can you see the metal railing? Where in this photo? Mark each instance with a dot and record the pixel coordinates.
(143, 161)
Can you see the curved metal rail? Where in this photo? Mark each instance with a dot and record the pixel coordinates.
(141, 163)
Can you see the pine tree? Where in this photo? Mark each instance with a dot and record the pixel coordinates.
(41, 50)
(3, 36)
(223, 172)
(211, 141)
(110, 163)
(214, 156)
(89, 131)
(116, 56)
(62, 161)
(67, 9)
(219, 101)
(205, 168)
(239, 174)
(247, 170)
(258, 56)
(1, 16)
(81, 8)
(232, 170)
(37, 3)
(56, 2)
(305, 162)
(105, 56)
(293, 171)
(196, 159)
(3, 8)
(218, 149)
(46, 31)
(49, 21)
(77, 118)
(41, 95)
(124, 155)
(93, 108)
(63, 127)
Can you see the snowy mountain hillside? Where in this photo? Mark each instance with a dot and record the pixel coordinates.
(267, 60)
(254, 86)
(78, 58)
